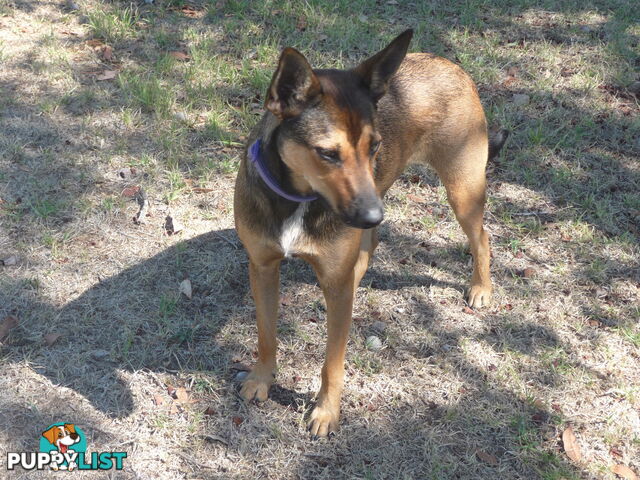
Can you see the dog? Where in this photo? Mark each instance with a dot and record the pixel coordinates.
(318, 164)
(63, 436)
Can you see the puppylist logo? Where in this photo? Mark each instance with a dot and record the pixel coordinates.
(63, 446)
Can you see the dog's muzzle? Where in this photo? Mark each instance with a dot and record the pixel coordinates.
(365, 212)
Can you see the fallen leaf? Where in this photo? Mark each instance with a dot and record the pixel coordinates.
(182, 396)
(171, 390)
(624, 472)
(107, 75)
(302, 24)
(237, 420)
(172, 225)
(143, 203)
(7, 324)
(210, 411)
(285, 300)
(131, 192)
(201, 190)
(528, 272)
(10, 261)
(468, 311)
(185, 288)
(487, 458)
(94, 43)
(158, 399)
(571, 446)
(173, 410)
(51, 338)
(615, 451)
(128, 172)
(416, 198)
(183, 57)
(107, 53)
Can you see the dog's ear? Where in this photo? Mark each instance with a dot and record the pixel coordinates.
(293, 86)
(70, 427)
(50, 435)
(378, 70)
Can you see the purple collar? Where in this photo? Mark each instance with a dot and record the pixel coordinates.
(256, 157)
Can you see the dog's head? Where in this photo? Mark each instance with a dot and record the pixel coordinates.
(62, 436)
(327, 134)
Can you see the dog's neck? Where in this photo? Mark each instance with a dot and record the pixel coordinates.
(269, 155)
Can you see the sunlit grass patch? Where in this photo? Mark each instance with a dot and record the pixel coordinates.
(112, 24)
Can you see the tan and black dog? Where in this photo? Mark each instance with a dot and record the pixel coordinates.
(327, 149)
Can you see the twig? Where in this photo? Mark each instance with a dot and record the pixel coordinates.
(189, 459)
(530, 214)
(234, 245)
(215, 438)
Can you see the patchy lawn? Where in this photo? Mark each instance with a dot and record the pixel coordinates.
(106, 104)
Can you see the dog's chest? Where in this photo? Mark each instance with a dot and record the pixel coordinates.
(292, 231)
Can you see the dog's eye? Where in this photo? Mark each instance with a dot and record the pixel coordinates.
(375, 146)
(329, 155)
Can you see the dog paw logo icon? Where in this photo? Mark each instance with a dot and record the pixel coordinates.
(64, 442)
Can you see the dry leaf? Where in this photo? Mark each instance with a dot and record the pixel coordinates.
(416, 198)
(571, 446)
(468, 311)
(302, 24)
(10, 261)
(237, 420)
(107, 53)
(94, 43)
(158, 399)
(182, 396)
(183, 57)
(185, 288)
(172, 225)
(487, 458)
(51, 338)
(201, 190)
(210, 411)
(171, 391)
(624, 472)
(107, 75)
(173, 410)
(131, 192)
(7, 324)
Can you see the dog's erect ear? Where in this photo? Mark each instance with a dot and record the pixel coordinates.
(378, 70)
(70, 427)
(50, 435)
(293, 85)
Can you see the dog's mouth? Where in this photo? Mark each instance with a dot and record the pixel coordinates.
(63, 448)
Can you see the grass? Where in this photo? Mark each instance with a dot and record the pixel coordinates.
(559, 347)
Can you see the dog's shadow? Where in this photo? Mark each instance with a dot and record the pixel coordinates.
(139, 320)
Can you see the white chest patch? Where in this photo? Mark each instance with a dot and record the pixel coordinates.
(292, 230)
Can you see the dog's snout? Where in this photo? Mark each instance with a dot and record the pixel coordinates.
(370, 217)
(365, 212)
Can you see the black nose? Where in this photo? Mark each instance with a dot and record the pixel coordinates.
(367, 216)
(73, 436)
(371, 217)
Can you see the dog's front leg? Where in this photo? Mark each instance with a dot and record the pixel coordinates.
(265, 287)
(338, 293)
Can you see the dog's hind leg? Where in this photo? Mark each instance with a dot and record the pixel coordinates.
(464, 180)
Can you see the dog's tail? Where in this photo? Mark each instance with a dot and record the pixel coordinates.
(497, 140)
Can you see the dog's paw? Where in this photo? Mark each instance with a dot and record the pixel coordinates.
(256, 385)
(324, 421)
(479, 296)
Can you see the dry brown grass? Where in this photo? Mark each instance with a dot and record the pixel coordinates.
(558, 347)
